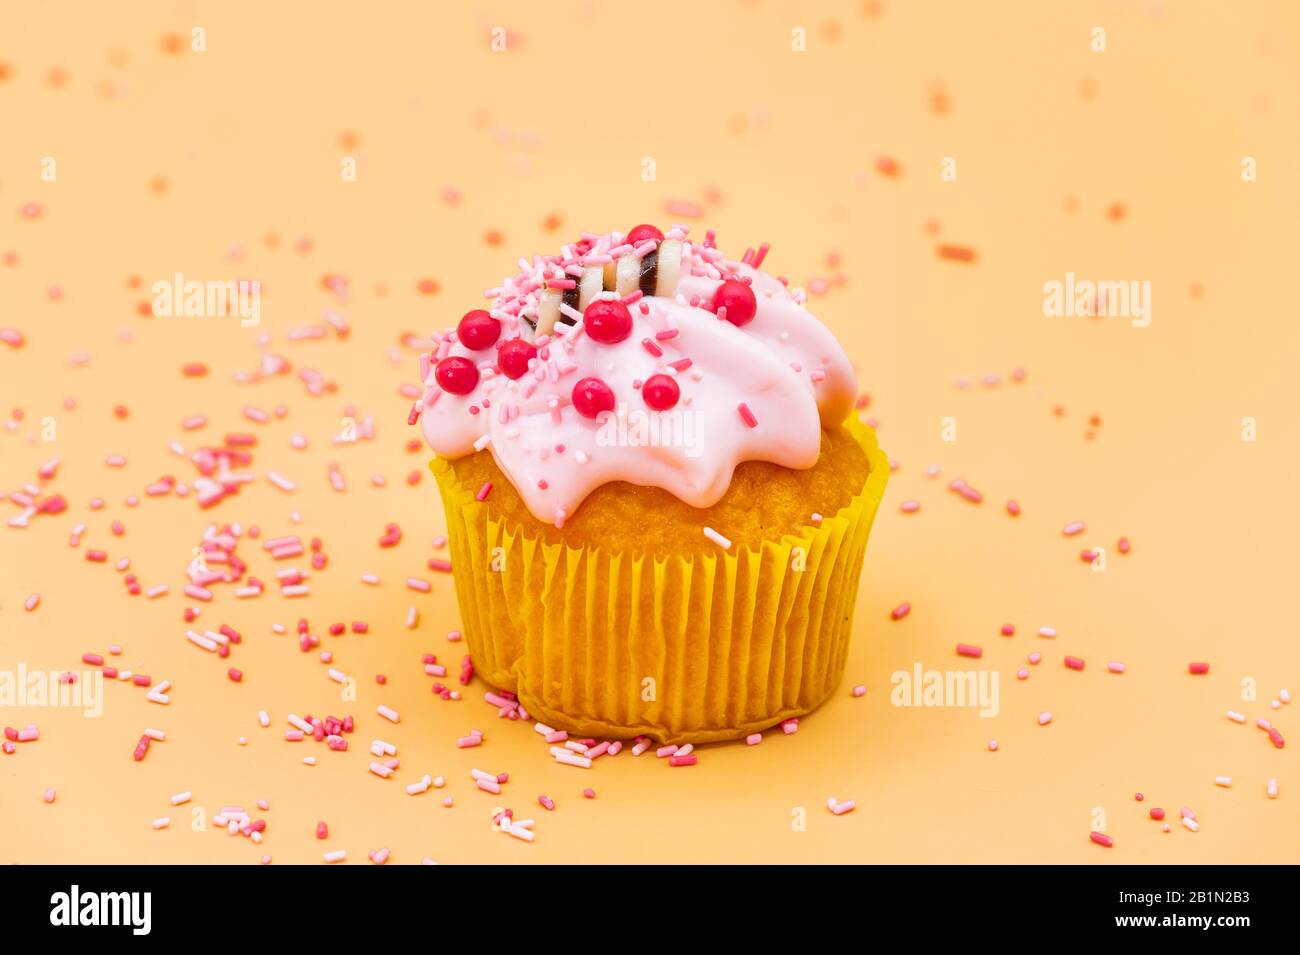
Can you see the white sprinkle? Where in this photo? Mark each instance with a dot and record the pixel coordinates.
(717, 538)
(482, 442)
(1191, 823)
(1272, 789)
(1047, 631)
(338, 855)
(180, 798)
(264, 718)
(571, 759)
(282, 482)
(379, 769)
(162, 823)
(1224, 781)
(1236, 717)
(388, 713)
(157, 735)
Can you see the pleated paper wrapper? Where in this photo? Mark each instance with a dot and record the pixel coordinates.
(681, 649)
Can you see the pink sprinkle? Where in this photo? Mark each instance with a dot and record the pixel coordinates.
(415, 583)
(993, 746)
(1072, 528)
(1101, 839)
(546, 802)
(753, 739)
(1115, 667)
(1044, 718)
(910, 507)
(1034, 657)
(901, 611)
(747, 416)
(1138, 797)
(1013, 507)
(49, 795)
(960, 486)
(859, 690)
(651, 347)
(967, 650)
(1022, 673)
(1008, 630)
(687, 760)
(1276, 737)
(589, 793)
(1198, 668)
(1124, 545)
(1074, 663)
(32, 602)
(484, 491)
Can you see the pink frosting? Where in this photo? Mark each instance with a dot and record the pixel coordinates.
(784, 366)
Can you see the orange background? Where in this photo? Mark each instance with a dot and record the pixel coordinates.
(1123, 164)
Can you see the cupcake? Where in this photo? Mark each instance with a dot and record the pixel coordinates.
(657, 492)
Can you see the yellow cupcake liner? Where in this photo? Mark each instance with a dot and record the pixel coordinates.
(694, 648)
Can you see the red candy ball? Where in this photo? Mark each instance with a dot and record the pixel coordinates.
(456, 375)
(642, 232)
(607, 321)
(478, 330)
(591, 396)
(513, 357)
(738, 299)
(661, 392)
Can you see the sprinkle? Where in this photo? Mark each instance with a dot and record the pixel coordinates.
(901, 611)
(717, 538)
(388, 713)
(753, 739)
(484, 491)
(415, 583)
(181, 798)
(1047, 631)
(1115, 667)
(1198, 668)
(1156, 813)
(1013, 507)
(1074, 663)
(1008, 630)
(859, 690)
(1101, 839)
(967, 650)
(338, 855)
(162, 823)
(993, 746)
(746, 415)
(1276, 737)
(840, 808)
(33, 602)
(1190, 823)
(1236, 717)
(1072, 528)
(1271, 789)
(1224, 781)
(1044, 718)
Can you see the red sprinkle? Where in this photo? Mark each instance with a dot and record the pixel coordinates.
(1156, 813)
(1198, 668)
(235, 675)
(1074, 663)
(747, 416)
(901, 611)
(1101, 839)
(1276, 737)
(967, 650)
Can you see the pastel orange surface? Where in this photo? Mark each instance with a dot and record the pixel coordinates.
(1122, 165)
